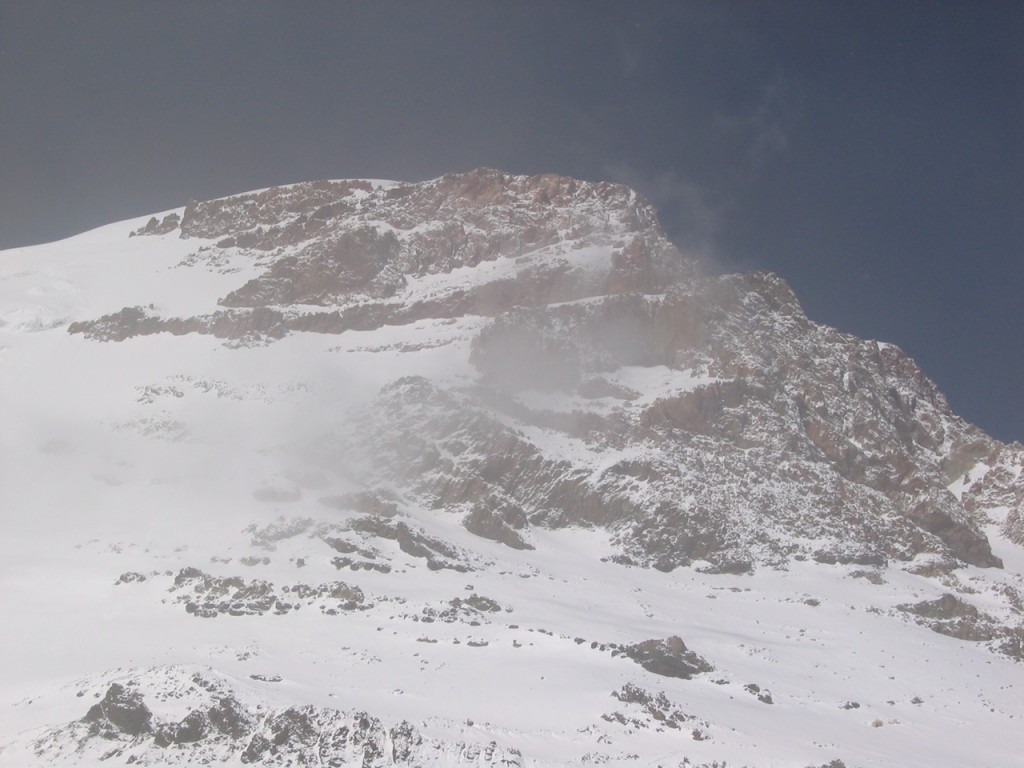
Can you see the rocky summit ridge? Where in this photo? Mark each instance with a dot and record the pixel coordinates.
(355, 246)
(448, 473)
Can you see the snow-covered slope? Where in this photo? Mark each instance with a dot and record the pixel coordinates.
(480, 471)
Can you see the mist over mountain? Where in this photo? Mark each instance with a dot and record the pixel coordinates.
(482, 470)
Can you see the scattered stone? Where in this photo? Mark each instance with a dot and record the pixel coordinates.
(657, 709)
(267, 678)
(359, 565)
(762, 695)
(208, 596)
(130, 577)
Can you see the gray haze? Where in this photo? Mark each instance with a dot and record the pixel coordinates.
(870, 153)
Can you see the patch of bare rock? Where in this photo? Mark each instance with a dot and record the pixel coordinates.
(207, 596)
(952, 616)
(668, 657)
(219, 728)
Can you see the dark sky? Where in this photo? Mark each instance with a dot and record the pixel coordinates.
(871, 153)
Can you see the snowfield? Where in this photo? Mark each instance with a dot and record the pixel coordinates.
(185, 520)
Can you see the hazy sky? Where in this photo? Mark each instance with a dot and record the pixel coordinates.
(872, 153)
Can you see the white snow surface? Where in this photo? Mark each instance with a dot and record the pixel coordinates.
(157, 453)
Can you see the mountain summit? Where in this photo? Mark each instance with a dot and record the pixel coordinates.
(501, 441)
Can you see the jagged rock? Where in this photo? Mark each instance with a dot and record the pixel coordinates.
(949, 615)
(253, 325)
(658, 707)
(438, 554)
(478, 603)
(365, 502)
(472, 610)
(130, 577)
(155, 226)
(762, 695)
(489, 525)
(193, 727)
(405, 740)
(217, 729)
(122, 711)
(669, 657)
(208, 596)
(229, 718)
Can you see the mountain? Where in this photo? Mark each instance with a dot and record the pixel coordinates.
(481, 471)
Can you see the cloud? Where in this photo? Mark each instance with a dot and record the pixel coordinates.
(691, 213)
(696, 198)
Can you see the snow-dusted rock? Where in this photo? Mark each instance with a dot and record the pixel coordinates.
(444, 473)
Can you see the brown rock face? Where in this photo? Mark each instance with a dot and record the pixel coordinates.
(355, 262)
(781, 439)
(352, 246)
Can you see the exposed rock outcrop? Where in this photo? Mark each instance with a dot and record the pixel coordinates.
(779, 437)
(669, 657)
(122, 712)
(219, 728)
